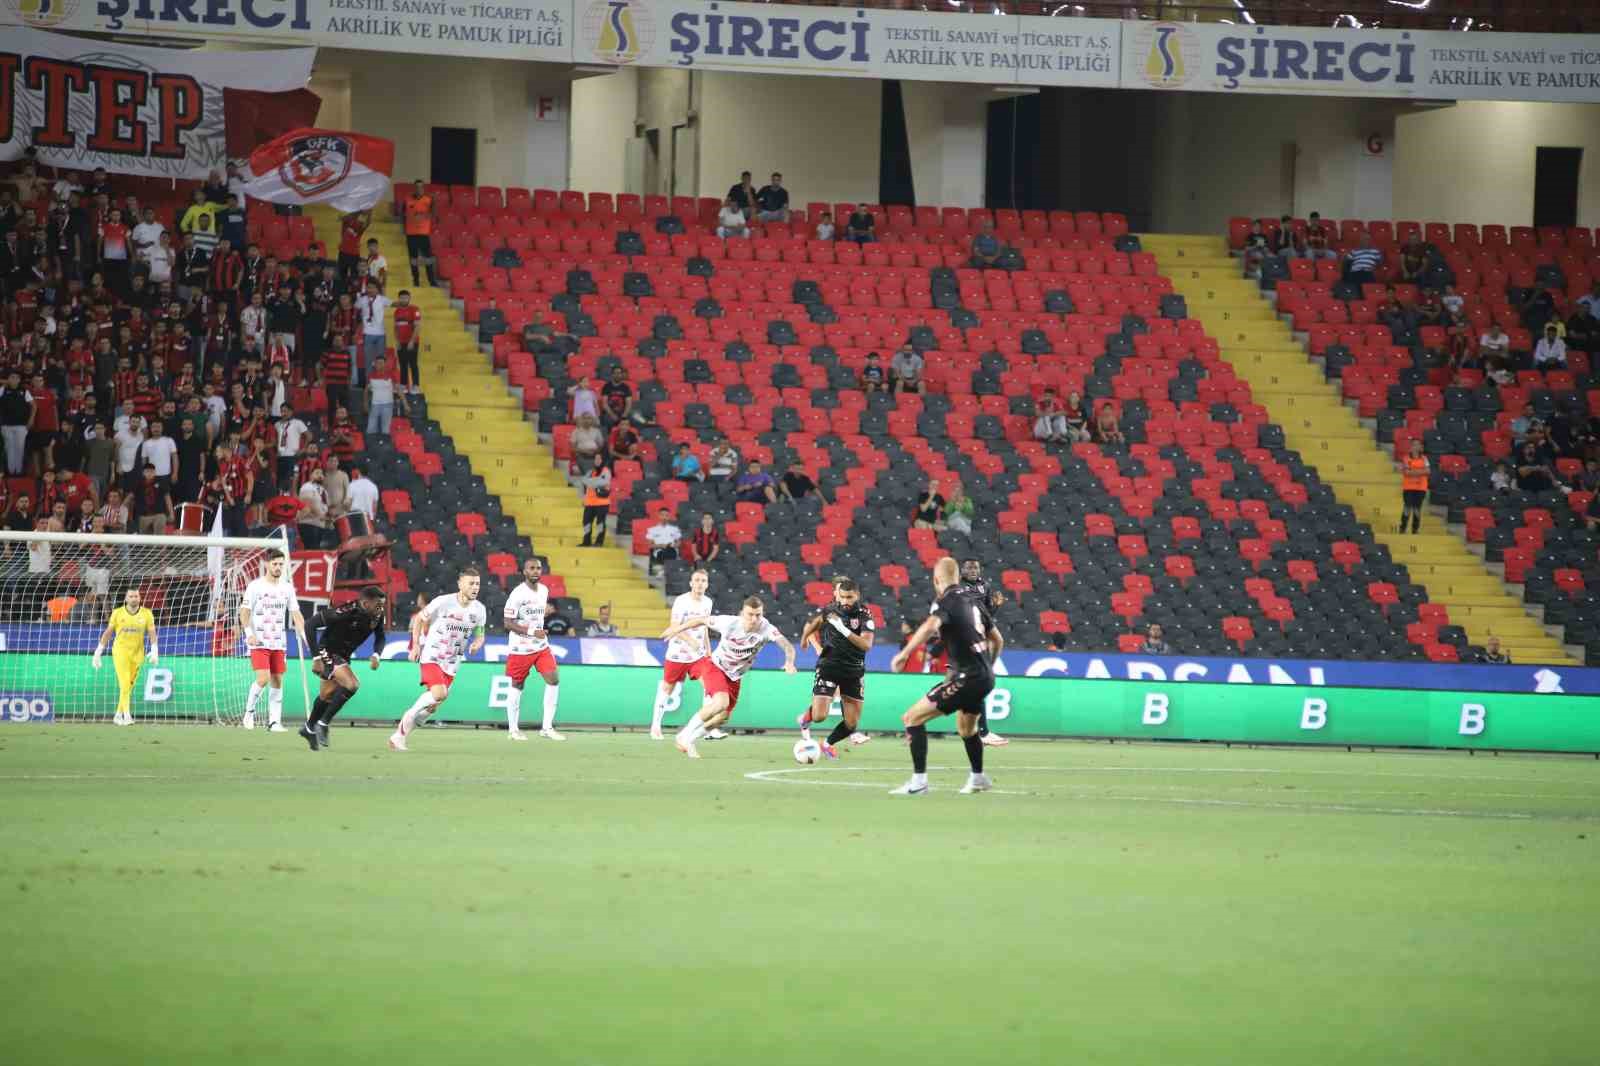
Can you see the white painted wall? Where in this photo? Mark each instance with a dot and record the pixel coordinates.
(603, 111)
(495, 97)
(1218, 155)
(1474, 161)
(821, 133)
(947, 131)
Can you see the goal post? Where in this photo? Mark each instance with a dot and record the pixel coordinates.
(57, 592)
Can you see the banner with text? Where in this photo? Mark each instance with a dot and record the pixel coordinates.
(1417, 64)
(487, 29)
(157, 111)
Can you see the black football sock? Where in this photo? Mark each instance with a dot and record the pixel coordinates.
(318, 705)
(336, 702)
(974, 745)
(919, 748)
(840, 732)
(983, 723)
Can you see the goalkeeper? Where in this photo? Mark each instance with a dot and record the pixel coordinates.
(129, 626)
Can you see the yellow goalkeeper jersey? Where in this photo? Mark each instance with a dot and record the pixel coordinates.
(130, 628)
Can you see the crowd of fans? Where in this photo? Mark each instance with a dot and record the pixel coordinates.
(153, 356)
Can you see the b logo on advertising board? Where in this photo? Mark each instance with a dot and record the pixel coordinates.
(618, 31)
(43, 13)
(1170, 54)
(19, 707)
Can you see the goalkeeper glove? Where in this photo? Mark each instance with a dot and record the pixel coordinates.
(154, 657)
(97, 653)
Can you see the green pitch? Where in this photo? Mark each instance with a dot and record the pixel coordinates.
(208, 896)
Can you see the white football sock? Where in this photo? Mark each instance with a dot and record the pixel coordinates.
(419, 710)
(274, 705)
(252, 699)
(919, 779)
(552, 693)
(659, 711)
(514, 711)
(693, 731)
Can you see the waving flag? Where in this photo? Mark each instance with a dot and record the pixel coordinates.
(311, 166)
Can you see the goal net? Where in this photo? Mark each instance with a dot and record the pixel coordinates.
(57, 592)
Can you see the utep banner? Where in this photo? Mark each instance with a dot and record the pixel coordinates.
(85, 104)
(623, 651)
(622, 696)
(786, 39)
(490, 29)
(1423, 65)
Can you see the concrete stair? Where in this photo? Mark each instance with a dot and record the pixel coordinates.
(1327, 434)
(472, 404)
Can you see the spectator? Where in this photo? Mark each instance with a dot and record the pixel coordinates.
(20, 518)
(585, 401)
(1317, 239)
(623, 442)
(152, 504)
(371, 308)
(706, 543)
(1362, 262)
(408, 335)
(824, 230)
(1583, 330)
(905, 371)
(1452, 301)
(1493, 654)
(16, 415)
(772, 201)
(1591, 299)
(314, 511)
(596, 483)
(1533, 474)
(1286, 241)
(664, 538)
(731, 221)
(1500, 480)
(588, 442)
(1536, 310)
(685, 465)
(1077, 420)
(930, 509)
(1524, 424)
(1154, 641)
(1551, 351)
(723, 464)
(377, 268)
(1050, 419)
(860, 226)
(364, 495)
(617, 397)
(958, 510)
(1413, 260)
(336, 486)
(755, 485)
(1107, 430)
(872, 374)
(1256, 248)
(161, 452)
(292, 434)
(1495, 346)
(129, 439)
(986, 246)
(380, 397)
(742, 194)
(795, 485)
(601, 626)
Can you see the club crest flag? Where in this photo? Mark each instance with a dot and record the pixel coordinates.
(311, 166)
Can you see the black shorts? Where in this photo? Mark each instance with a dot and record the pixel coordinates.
(962, 692)
(844, 686)
(330, 662)
(419, 246)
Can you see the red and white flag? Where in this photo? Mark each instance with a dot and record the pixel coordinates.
(310, 166)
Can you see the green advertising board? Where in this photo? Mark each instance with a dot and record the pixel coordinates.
(63, 687)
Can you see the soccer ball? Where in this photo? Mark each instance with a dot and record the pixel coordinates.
(807, 752)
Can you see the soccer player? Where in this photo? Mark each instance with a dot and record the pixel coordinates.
(530, 650)
(268, 601)
(347, 627)
(972, 578)
(126, 631)
(440, 633)
(743, 636)
(842, 634)
(972, 642)
(686, 653)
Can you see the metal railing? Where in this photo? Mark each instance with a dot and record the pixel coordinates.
(1521, 16)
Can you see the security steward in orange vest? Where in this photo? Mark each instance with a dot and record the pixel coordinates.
(1413, 486)
(419, 233)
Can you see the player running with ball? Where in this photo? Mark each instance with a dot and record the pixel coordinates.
(530, 651)
(440, 633)
(972, 643)
(346, 627)
(268, 601)
(743, 636)
(843, 635)
(126, 630)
